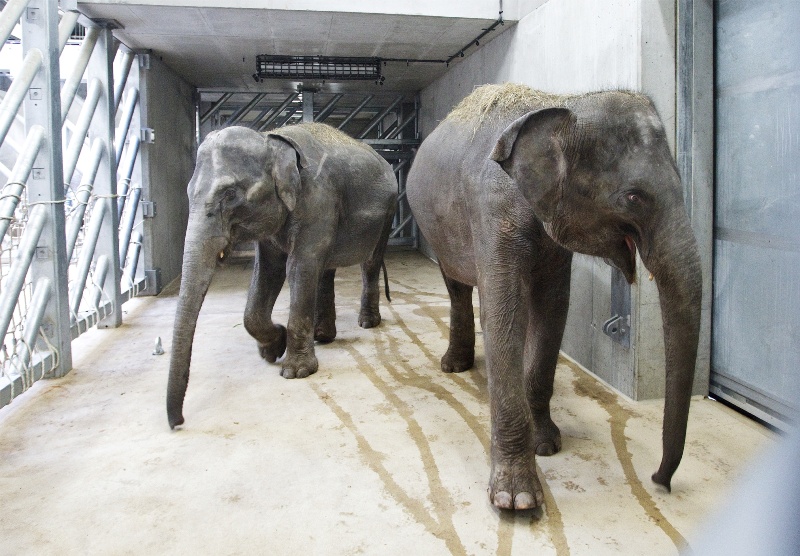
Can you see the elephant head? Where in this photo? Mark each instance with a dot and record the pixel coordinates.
(243, 188)
(599, 174)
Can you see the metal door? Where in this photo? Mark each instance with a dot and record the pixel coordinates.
(756, 318)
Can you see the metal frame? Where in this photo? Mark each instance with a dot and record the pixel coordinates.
(61, 205)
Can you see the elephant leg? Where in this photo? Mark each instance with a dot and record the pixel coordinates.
(549, 295)
(370, 315)
(513, 483)
(325, 318)
(304, 280)
(269, 274)
(460, 354)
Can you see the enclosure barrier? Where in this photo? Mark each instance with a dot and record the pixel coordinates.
(66, 264)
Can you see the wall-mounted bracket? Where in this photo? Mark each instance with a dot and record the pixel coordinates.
(618, 327)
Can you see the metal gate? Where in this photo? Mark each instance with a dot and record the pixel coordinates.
(388, 122)
(756, 319)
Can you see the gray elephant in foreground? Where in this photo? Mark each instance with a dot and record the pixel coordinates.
(505, 189)
(314, 200)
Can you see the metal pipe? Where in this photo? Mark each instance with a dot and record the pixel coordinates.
(125, 121)
(82, 197)
(87, 253)
(65, 27)
(378, 118)
(216, 106)
(81, 129)
(125, 172)
(99, 279)
(289, 114)
(355, 111)
(10, 17)
(244, 110)
(402, 126)
(126, 227)
(42, 292)
(18, 89)
(19, 175)
(72, 83)
(20, 265)
(399, 228)
(278, 111)
(130, 269)
(328, 108)
(125, 70)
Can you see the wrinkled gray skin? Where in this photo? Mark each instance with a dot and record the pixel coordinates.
(312, 204)
(505, 206)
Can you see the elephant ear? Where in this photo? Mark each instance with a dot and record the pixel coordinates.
(285, 171)
(530, 150)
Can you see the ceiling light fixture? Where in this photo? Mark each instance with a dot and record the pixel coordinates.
(326, 68)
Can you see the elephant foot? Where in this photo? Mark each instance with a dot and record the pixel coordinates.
(546, 436)
(457, 361)
(368, 318)
(299, 366)
(515, 486)
(274, 348)
(325, 331)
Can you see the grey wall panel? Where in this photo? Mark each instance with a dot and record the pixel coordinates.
(168, 108)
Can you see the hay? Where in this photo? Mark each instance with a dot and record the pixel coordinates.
(501, 101)
(327, 134)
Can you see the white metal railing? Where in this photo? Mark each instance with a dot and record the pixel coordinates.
(66, 264)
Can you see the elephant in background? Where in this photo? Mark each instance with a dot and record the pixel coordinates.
(314, 200)
(505, 189)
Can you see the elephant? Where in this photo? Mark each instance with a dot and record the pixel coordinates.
(313, 199)
(505, 189)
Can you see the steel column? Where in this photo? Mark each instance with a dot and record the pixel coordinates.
(47, 185)
(101, 68)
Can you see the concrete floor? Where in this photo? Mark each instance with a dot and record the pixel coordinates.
(378, 453)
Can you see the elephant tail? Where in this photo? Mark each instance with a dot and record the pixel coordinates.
(386, 281)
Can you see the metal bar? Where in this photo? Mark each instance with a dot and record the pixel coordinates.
(308, 105)
(125, 172)
(74, 80)
(87, 253)
(130, 268)
(126, 227)
(355, 111)
(402, 126)
(255, 123)
(42, 292)
(20, 264)
(99, 279)
(125, 121)
(18, 89)
(216, 106)
(244, 110)
(19, 175)
(399, 228)
(81, 129)
(379, 117)
(289, 114)
(278, 111)
(65, 27)
(82, 197)
(10, 17)
(328, 108)
(125, 70)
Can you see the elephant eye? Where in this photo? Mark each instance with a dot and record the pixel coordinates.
(635, 197)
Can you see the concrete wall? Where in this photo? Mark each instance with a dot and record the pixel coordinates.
(568, 46)
(167, 106)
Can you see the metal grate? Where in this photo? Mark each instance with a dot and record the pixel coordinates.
(317, 67)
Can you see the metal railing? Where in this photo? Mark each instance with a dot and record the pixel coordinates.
(66, 264)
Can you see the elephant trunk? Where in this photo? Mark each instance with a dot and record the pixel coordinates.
(674, 260)
(204, 241)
